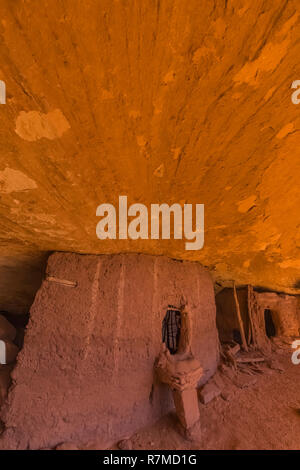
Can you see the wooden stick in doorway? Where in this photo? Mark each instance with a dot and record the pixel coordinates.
(238, 312)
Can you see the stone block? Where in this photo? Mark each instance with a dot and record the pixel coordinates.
(67, 446)
(208, 393)
(125, 444)
(187, 408)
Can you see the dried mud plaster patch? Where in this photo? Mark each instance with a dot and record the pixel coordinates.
(269, 59)
(246, 204)
(286, 130)
(290, 263)
(14, 180)
(33, 125)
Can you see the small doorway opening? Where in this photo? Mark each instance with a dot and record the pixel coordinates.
(171, 327)
(236, 335)
(269, 324)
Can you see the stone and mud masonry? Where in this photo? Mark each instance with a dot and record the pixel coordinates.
(114, 344)
(223, 413)
(202, 414)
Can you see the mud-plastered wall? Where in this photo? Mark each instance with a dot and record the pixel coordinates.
(284, 312)
(227, 319)
(86, 369)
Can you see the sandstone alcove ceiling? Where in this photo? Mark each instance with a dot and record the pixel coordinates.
(162, 101)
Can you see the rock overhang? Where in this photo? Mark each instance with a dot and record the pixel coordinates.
(200, 112)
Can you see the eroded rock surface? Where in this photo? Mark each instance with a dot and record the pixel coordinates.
(163, 102)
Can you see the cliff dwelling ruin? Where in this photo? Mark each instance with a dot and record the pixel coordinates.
(173, 323)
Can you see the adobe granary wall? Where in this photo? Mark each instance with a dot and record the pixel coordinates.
(273, 315)
(227, 320)
(95, 329)
(284, 311)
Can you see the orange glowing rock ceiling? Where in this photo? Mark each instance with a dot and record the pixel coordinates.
(162, 101)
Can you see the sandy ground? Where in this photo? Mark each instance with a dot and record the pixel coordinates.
(261, 411)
